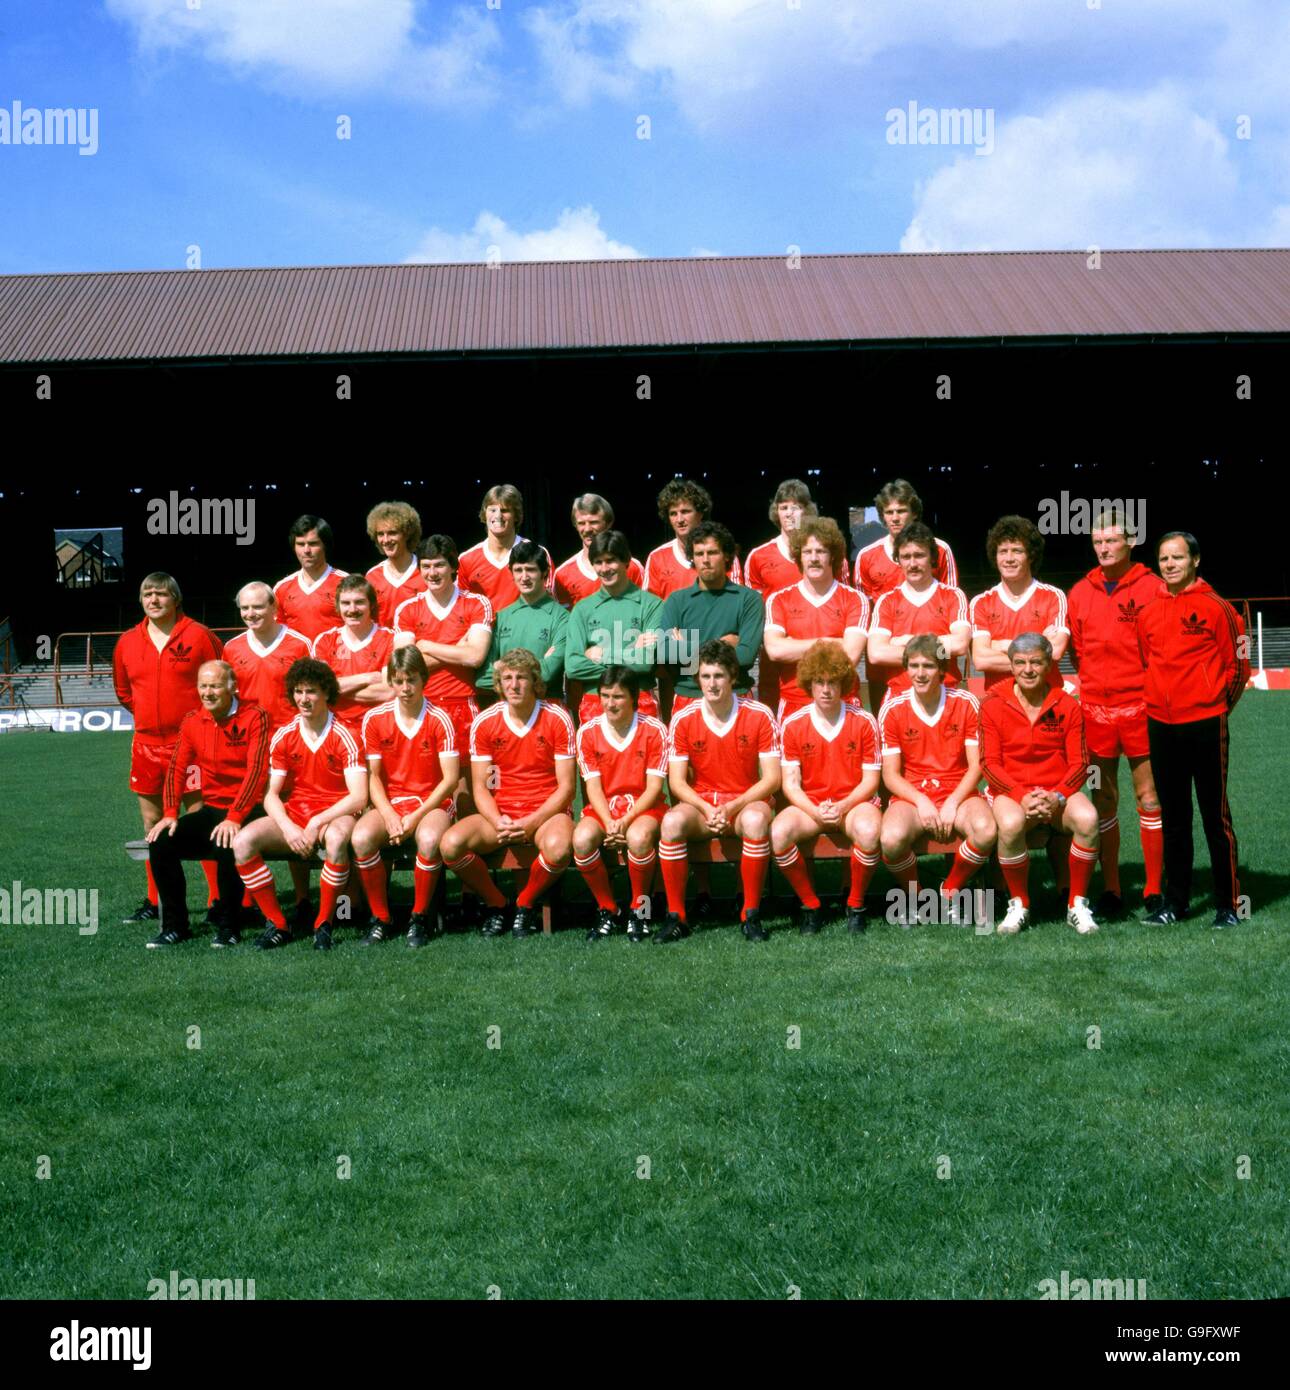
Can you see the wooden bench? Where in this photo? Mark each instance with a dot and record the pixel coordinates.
(399, 857)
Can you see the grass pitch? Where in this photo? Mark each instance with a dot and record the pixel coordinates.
(552, 1118)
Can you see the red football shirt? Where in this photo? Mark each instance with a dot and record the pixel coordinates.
(901, 611)
(577, 579)
(995, 615)
(262, 671)
(393, 588)
(622, 765)
(315, 764)
(800, 613)
(877, 573)
(308, 607)
(160, 687)
(523, 756)
(424, 618)
(336, 648)
(667, 570)
(409, 751)
(932, 748)
(724, 757)
(1018, 756)
(479, 573)
(833, 758)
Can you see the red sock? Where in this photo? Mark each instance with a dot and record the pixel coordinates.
(333, 878)
(967, 860)
(641, 874)
(541, 877)
(474, 875)
(1109, 853)
(371, 873)
(1059, 849)
(674, 860)
(212, 882)
(905, 872)
(258, 882)
(1016, 874)
(247, 899)
(1082, 861)
(796, 869)
(593, 870)
(863, 868)
(754, 865)
(1153, 850)
(152, 885)
(425, 879)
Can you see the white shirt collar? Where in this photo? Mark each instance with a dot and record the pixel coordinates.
(612, 738)
(1016, 604)
(781, 542)
(232, 709)
(721, 730)
(410, 730)
(814, 599)
(520, 730)
(442, 613)
(506, 558)
(258, 648)
(354, 646)
(308, 587)
(916, 598)
(394, 578)
(585, 567)
(931, 720)
(311, 742)
(680, 554)
(823, 727)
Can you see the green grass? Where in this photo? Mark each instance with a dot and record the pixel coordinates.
(517, 1166)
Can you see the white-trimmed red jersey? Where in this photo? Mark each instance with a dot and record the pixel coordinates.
(771, 566)
(424, 618)
(667, 569)
(877, 573)
(995, 615)
(479, 573)
(802, 614)
(409, 751)
(523, 757)
(336, 648)
(833, 758)
(724, 758)
(577, 579)
(393, 588)
(315, 766)
(935, 610)
(932, 748)
(623, 765)
(308, 608)
(262, 670)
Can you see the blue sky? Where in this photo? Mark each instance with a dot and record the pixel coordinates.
(514, 126)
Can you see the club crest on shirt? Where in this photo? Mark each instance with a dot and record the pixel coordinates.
(334, 762)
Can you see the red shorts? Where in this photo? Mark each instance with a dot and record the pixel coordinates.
(462, 713)
(405, 805)
(721, 798)
(589, 707)
(149, 762)
(1110, 730)
(654, 813)
(302, 809)
(937, 793)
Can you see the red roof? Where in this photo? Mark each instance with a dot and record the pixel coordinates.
(569, 305)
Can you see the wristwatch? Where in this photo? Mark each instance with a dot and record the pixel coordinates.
(1061, 800)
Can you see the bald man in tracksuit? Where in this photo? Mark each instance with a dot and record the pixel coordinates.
(1193, 646)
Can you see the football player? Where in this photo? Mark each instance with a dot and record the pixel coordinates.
(524, 777)
(877, 569)
(317, 790)
(683, 504)
(831, 766)
(486, 567)
(723, 770)
(357, 651)
(577, 579)
(622, 755)
(1018, 603)
(307, 598)
(413, 770)
(395, 529)
(534, 621)
(772, 566)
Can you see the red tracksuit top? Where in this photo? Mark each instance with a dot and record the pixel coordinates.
(1188, 642)
(1018, 756)
(160, 687)
(233, 754)
(1104, 634)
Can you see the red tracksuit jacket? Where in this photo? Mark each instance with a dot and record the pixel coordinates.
(1104, 634)
(1018, 756)
(1189, 643)
(160, 687)
(233, 754)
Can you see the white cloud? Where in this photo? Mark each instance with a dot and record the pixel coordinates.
(1097, 169)
(576, 236)
(329, 45)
